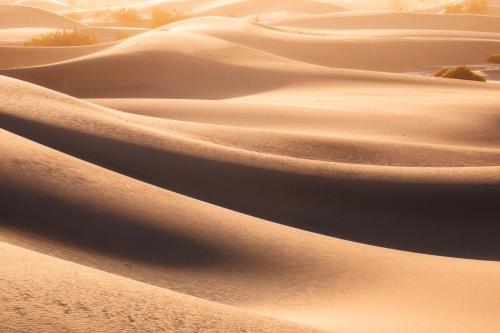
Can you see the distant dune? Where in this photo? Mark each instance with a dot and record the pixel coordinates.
(52, 5)
(26, 17)
(263, 166)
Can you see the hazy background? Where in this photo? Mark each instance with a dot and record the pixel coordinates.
(369, 4)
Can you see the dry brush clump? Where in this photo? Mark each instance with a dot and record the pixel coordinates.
(468, 6)
(65, 37)
(460, 73)
(494, 58)
(128, 17)
(160, 17)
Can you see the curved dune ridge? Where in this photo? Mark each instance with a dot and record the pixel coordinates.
(291, 168)
(26, 17)
(240, 7)
(52, 5)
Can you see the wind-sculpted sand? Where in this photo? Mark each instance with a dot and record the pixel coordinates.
(288, 169)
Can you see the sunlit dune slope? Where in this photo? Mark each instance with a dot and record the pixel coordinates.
(16, 56)
(25, 17)
(392, 20)
(321, 172)
(52, 5)
(261, 166)
(62, 205)
(84, 299)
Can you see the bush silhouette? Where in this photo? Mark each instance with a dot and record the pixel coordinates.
(63, 38)
(160, 17)
(460, 73)
(494, 58)
(127, 17)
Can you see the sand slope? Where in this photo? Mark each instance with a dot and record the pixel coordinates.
(24, 16)
(84, 299)
(52, 5)
(249, 175)
(188, 246)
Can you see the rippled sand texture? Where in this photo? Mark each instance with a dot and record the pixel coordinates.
(263, 166)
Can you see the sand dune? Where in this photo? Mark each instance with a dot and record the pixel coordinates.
(26, 17)
(300, 165)
(247, 263)
(15, 56)
(141, 64)
(392, 20)
(252, 7)
(52, 5)
(290, 170)
(85, 300)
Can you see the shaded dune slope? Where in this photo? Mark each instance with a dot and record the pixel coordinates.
(454, 208)
(249, 175)
(69, 208)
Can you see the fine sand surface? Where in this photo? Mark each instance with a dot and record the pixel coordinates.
(265, 166)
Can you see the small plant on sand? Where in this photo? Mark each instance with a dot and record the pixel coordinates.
(160, 17)
(63, 38)
(127, 17)
(460, 73)
(74, 15)
(494, 58)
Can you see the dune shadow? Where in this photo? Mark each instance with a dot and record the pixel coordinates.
(111, 234)
(459, 220)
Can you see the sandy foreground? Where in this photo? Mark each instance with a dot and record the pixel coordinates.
(262, 166)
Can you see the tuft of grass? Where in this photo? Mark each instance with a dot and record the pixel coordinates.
(494, 58)
(74, 15)
(460, 73)
(127, 17)
(160, 17)
(63, 37)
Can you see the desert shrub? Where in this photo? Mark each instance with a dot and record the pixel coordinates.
(74, 15)
(161, 17)
(63, 38)
(494, 58)
(460, 73)
(127, 17)
(468, 6)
